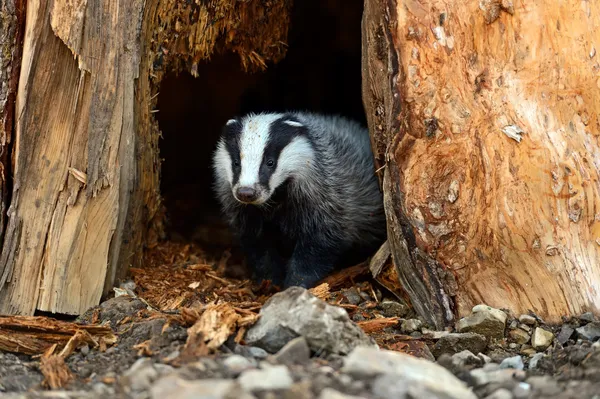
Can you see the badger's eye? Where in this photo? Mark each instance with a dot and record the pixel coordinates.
(236, 163)
(270, 163)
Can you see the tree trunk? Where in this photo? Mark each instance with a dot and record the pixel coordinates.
(484, 118)
(86, 196)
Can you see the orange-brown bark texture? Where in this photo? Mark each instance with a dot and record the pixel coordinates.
(497, 144)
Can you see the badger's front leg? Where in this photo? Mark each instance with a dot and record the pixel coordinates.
(311, 262)
(263, 259)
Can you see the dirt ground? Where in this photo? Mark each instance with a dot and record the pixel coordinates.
(179, 279)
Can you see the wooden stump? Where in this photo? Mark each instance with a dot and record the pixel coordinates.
(485, 119)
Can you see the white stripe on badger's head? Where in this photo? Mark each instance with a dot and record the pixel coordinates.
(254, 139)
(295, 160)
(222, 162)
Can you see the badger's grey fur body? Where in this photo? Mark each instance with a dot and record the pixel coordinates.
(299, 190)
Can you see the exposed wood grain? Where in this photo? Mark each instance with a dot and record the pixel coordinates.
(86, 194)
(75, 113)
(35, 335)
(494, 149)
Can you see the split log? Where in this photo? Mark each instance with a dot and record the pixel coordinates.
(485, 121)
(86, 197)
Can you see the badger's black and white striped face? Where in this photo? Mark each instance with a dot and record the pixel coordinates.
(258, 153)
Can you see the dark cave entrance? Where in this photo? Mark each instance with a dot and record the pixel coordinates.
(321, 72)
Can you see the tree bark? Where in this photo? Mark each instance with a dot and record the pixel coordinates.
(85, 197)
(484, 119)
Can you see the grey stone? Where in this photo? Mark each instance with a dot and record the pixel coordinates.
(501, 393)
(566, 331)
(466, 358)
(411, 325)
(544, 386)
(296, 312)
(457, 342)
(269, 378)
(535, 359)
(329, 393)
(139, 376)
(352, 296)
(541, 339)
(522, 390)
(237, 364)
(294, 352)
(174, 387)
(527, 319)
(519, 336)
(590, 331)
(483, 377)
(486, 359)
(406, 370)
(393, 308)
(250, 351)
(484, 320)
(588, 317)
(388, 386)
(515, 362)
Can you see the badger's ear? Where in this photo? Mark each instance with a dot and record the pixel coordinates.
(231, 122)
(293, 123)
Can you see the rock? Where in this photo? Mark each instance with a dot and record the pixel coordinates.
(519, 336)
(411, 325)
(484, 320)
(527, 350)
(544, 386)
(393, 308)
(566, 331)
(482, 377)
(501, 393)
(522, 391)
(139, 377)
(237, 364)
(486, 359)
(174, 387)
(250, 351)
(294, 352)
(466, 358)
(587, 317)
(515, 362)
(535, 359)
(352, 296)
(329, 393)
(117, 308)
(270, 378)
(541, 339)
(404, 371)
(527, 319)
(590, 331)
(296, 312)
(457, 342)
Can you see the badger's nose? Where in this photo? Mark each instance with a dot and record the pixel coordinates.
(246, 194)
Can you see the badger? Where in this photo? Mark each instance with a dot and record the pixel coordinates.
(300, 192)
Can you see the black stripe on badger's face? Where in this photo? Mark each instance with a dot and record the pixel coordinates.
(281, 133)
(231, 134)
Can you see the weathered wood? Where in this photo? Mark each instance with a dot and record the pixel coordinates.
(86, 196)
(485, 121)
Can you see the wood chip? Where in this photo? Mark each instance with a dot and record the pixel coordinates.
(33, 335)
(321, 291)
(55, 371)
(370, 326)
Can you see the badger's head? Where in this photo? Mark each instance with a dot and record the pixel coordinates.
(258, 153)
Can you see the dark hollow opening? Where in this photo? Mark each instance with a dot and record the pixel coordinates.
(321, 72)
